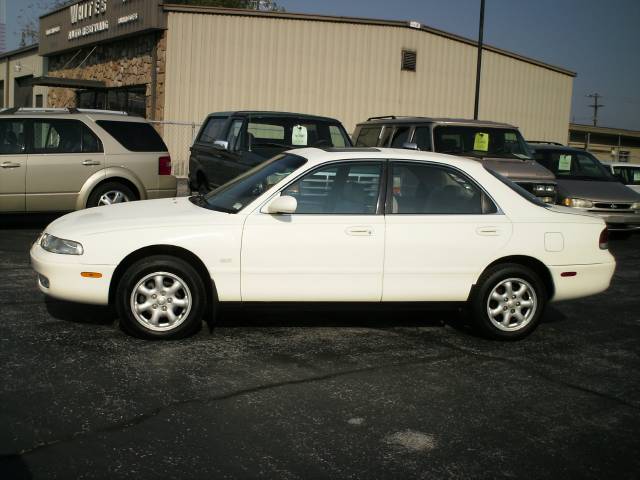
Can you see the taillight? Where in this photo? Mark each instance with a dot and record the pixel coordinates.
(604, 239)
(164, 165)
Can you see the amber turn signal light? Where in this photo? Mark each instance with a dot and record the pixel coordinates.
(91, 275)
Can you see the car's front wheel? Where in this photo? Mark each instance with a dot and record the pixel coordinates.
(161, 297)
(508, 302)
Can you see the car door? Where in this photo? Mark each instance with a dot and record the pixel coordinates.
(442, 229)
(64, 153)
(13, 165)
(330, 249)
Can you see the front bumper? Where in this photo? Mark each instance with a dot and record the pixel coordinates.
(59, 276)
(588, 280)
(618, 221)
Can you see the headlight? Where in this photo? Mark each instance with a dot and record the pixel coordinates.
(60, 245)
(577, 203)
(542, 189)
(635, 206)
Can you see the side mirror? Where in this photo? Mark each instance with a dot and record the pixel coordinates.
(410, 146)
(221, 144)
(283, 204)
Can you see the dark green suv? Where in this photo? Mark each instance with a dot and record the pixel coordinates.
(230, 143)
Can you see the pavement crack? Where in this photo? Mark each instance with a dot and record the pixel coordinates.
(143, 417)
(539, 374)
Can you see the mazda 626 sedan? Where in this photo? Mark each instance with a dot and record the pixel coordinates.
(330, 225)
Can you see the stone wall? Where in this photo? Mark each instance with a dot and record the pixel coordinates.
(121, 63)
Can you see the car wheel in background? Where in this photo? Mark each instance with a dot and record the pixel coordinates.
(109, 193)
(160, 297)
(508, 302)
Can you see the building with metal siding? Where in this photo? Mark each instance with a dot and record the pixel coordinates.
(608, 144)
(17, 69)
(195, 60)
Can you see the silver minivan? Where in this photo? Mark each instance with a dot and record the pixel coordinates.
(69, 159)
(585, 184)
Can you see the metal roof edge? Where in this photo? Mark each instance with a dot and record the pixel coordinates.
(169, 7)
(19, 51)
(604, 130)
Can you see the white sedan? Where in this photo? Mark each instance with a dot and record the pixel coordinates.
(312, 225)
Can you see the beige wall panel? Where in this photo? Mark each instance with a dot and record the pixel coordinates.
(537, 100)
(347, 71)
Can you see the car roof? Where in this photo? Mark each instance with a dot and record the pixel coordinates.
(392, 119)
(249, 113)
(319, 155)
(61, 113)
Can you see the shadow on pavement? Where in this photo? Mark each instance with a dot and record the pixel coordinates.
(27, 220)
(79, 312)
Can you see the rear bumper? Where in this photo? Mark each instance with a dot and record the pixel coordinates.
(588, 280)
(59, 277)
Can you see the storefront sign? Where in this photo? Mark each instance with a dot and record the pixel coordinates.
(88, 22)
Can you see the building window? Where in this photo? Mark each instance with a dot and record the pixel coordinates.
(1, 93)
(623, 155)
(39, 101)
(131, 99)
(409, 58)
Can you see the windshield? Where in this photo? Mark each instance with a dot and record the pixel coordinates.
(574, 165)
(236, 194)
(530, 197)
(478, 141)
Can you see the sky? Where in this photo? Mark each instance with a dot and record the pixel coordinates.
(597, 39)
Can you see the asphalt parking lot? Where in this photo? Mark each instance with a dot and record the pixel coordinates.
(338, 393)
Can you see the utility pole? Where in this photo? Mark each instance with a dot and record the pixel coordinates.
(595, 107)
(479, 61)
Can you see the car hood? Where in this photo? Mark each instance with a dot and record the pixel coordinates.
(141, 215)
(516, 169)
(597, 191)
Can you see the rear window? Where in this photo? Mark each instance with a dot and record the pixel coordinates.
(134, 136)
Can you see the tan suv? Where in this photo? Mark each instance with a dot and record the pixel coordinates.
(69, 159)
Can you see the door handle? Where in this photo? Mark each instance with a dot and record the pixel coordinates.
(488, 231)
(359, 231)
(90, 162)
(9, 165)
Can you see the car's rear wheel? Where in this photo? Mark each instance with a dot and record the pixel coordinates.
(161, 297)
(109, 193)
(508, 302)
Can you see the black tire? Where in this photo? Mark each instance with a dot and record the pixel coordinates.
(192, 294)
(509, 308)
(104, 188)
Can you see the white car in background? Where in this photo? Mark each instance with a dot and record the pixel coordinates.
(627, 173)
(332, 225)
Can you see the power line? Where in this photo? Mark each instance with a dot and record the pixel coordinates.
(595, 107)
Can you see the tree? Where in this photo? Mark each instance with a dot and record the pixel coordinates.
(28, 22)
(262, 5)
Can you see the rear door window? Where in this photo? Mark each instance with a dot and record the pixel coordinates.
(63, 136)
(134, 136)
(368, 136)
(400, 137)
(213, 130)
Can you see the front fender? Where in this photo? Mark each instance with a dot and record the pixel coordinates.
(106, 174)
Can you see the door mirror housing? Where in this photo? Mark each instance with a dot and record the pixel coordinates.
(221, 144)
(410, 146)
(283, 204)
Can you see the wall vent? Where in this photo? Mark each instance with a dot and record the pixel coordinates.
(409, 60)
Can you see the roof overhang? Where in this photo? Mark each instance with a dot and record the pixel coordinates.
(67, 82)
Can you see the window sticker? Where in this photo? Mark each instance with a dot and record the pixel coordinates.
(510, 137)
(481, 142)
(564, 163)
(299, 135)
(636, 174)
